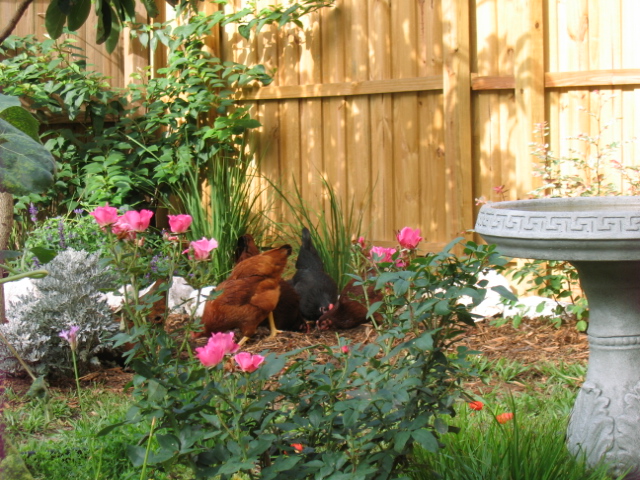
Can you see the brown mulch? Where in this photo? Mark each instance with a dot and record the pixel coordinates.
(533, 342)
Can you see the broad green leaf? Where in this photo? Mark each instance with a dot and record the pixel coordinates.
(78, 14)
(401, 440)
(22, 120)
(54, 19)
(442, 308)
(9, 254)
(424, 342)
(114, 35)
(426, 439)
(104, 23)
(107, 430)
(7, 101)
(156, 391)
(44, 255)
(152, 9)
(505, 292)
(136, 454)
(26, 166)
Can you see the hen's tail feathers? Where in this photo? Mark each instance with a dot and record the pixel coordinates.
(308, 257)
(246, 247)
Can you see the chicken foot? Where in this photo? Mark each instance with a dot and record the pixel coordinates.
(272, 327)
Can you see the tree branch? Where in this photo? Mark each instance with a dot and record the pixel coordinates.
(21, 8)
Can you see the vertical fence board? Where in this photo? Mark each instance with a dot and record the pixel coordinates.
(382, 211)
(358, 119)
(457, 111)
(529, 88)
(407, 172)
(312, 155)
(433, 217)
(334, 108)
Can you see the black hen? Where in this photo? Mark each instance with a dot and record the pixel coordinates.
(318, 291)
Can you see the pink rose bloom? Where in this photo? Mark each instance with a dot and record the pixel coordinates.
(382, 254)
(202, 248)
(123, 229)
(362, 242)
(216, 348)
(345, 349)
(179, 223)
(105, 215)
(247, 362)
(409, 238)
(134, 221)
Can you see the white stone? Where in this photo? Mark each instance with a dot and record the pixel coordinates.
(182, 297)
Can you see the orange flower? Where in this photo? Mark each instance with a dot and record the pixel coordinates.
(297, 446)
(477, 406)
(504, 417)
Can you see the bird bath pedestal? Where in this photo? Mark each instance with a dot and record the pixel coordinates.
(600, 236)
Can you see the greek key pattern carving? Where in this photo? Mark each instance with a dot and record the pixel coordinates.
(562, 225)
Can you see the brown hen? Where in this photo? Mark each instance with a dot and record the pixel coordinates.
(249, 295)
(351, 309)
(287, 314)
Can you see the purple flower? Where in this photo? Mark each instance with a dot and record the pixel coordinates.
(33, 212)
(71, 336)
(62, 242)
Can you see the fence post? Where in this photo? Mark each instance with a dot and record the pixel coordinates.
(529, 72)
(457, 112)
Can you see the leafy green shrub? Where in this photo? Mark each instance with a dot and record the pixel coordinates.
(93, 164)
(135, 145)
(68, 296)
(356, 413)
(77, 231)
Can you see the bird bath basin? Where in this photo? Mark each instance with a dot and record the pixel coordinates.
(600, 236)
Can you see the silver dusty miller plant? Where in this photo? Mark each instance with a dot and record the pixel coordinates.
(69, 295)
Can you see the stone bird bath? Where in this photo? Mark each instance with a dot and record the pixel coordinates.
(600, 236)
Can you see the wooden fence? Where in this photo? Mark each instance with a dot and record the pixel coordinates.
(415, 108)
(428, 105)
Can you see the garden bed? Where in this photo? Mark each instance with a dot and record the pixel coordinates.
(535, 341)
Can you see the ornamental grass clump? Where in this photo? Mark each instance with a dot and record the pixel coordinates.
(506, 443)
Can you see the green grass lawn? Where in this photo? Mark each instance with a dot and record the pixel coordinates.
(57, 439)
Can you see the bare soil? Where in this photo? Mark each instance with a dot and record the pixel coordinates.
(533, 342)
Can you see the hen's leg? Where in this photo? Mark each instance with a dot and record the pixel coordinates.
(272, 326)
